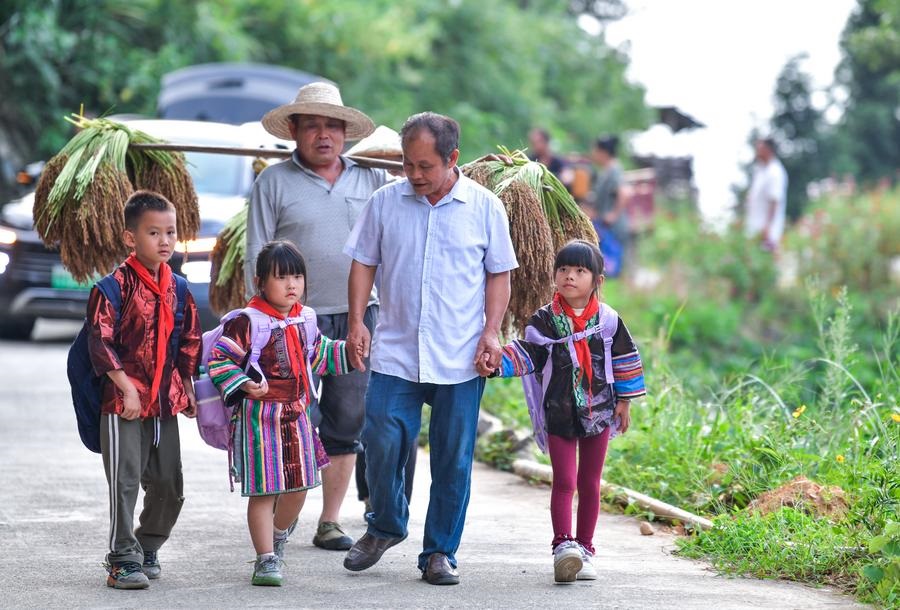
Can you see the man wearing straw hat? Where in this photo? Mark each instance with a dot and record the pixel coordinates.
(313, 199)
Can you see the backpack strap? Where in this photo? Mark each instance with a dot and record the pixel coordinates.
(109, 286)
(181, 289)
(607, 325)
(261, 326)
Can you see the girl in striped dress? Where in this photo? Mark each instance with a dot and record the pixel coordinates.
(585, 400)
(277, 451)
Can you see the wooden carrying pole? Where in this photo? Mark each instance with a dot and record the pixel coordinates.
(265, 153)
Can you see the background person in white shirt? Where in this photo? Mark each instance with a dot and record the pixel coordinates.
(764, 214)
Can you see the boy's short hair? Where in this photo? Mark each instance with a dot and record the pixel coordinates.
(144, 201)
(580, 253)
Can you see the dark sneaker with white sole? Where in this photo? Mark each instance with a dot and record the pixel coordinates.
(151, 565)
(126, 575)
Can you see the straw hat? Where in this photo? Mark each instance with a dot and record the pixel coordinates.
(322, 99)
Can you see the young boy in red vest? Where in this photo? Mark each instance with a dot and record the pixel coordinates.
(149, 383)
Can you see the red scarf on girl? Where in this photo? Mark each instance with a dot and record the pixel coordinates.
(165, 321)
(579, 323)
(294, 349)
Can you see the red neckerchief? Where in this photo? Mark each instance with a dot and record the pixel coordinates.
(295, 350)
(579, 323)
(165, 322)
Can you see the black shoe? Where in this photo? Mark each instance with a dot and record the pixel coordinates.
(438, 571)
(151, 565)
(367, 551)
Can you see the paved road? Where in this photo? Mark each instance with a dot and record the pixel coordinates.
(53, 527)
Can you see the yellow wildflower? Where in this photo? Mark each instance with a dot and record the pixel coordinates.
(896, 417)
(840, 459)
(799, 411)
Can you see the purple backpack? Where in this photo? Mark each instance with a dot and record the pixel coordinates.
(535, 384)
(213, 415)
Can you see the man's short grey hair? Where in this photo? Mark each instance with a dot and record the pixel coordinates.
(444, 129)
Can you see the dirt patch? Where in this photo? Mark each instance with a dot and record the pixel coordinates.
(802, 494)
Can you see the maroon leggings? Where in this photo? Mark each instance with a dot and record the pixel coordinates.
(585, 477)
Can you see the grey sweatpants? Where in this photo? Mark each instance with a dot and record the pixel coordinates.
(131, 459)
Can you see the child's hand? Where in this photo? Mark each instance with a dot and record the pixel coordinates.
(356, 357)
(622, 413)
(131, 404)
(481, 365)
(191, 409)
(255, 390)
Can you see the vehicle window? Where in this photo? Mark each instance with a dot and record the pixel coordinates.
(216, 174)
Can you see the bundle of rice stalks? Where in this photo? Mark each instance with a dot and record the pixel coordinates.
(542, 218)
(166, 173)
(82, 191)
(226, 286)
(532, 281)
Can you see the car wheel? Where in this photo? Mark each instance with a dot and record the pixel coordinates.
(18, 329)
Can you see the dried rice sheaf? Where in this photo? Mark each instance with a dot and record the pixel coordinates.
(532, 281)
(229, 294)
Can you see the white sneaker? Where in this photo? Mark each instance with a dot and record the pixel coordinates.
(567, 561)
(587, 571)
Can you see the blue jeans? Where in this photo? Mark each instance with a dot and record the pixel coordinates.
(393, 419)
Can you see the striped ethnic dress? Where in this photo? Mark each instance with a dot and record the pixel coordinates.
(277, 449)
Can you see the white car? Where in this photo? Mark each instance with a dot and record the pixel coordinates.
(34, 284)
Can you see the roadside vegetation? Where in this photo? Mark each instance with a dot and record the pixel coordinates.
(774, 403)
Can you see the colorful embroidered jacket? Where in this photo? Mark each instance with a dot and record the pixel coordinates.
(565, 401)
(132, 345)
(229, 357)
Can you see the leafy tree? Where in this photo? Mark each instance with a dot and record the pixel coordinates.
(870, 73)
(497, 67)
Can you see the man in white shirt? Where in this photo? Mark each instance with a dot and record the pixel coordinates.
(443, 247)
(767, 197)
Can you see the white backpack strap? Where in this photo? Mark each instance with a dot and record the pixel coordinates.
(260, 331)
(608, 324)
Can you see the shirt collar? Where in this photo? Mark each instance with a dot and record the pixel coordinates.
(458, 192)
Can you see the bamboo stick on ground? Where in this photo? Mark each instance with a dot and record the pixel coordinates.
(542, 472)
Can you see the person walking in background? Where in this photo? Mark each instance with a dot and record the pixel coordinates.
(587, 393)
(279, 456)
(313, 199)
(443, 247)
(541, 151)
(150, 383)
(765, 206)
(606, 204)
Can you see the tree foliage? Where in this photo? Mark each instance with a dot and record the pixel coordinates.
(498, 67)
(865, 142)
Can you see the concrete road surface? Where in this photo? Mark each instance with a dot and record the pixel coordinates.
(53, 532)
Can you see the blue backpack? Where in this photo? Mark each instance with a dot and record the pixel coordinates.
(87, 388)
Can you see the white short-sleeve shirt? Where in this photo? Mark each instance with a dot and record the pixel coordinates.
(434, 260)
(769, 183)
